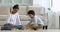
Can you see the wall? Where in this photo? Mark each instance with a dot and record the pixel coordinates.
(56, 8)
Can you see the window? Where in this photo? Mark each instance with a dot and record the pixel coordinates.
(0, 1)
(21, 2)
(18, 1)
(27, 2)
(7, 1)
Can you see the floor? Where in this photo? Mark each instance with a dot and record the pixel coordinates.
(49, 30)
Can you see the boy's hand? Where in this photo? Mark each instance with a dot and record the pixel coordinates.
(28, 24)
(11, 25)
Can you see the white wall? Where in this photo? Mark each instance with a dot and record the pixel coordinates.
(44, 3)
(37, 2)
(56, 8)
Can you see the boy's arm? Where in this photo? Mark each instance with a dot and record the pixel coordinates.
(8, 20)
(40, 21)
(29, 22)
(11, 25)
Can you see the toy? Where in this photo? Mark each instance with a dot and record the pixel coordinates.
(29, 29)
(15, 29)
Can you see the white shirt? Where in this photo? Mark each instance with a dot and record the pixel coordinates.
(14, 19)
(37, 20)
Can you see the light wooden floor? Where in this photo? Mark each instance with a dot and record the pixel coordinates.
(49, 30)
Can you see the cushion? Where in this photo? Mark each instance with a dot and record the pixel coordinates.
(4, 10)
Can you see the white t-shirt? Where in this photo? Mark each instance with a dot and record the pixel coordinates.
(14, 19)
(36, 20)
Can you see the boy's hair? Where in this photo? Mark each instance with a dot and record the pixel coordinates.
(16, 6)
(31, 12)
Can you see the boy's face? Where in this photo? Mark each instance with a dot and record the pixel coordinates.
(31, 16)
(14, 11)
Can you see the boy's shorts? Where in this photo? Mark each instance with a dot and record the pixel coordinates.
(7, 27)
(35, 27)
(18, 26)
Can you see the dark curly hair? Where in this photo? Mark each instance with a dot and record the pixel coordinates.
(16, 6)
(31, 12)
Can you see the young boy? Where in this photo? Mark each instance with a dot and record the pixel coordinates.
(13, 20)
(35, 22)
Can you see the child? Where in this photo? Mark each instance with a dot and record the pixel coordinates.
(13, 20)
(35, 22)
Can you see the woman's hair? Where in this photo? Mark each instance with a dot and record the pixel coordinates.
(31, 12)
(16, 6)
